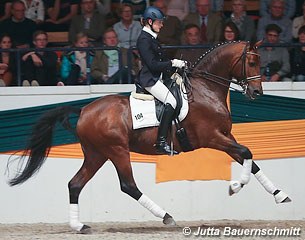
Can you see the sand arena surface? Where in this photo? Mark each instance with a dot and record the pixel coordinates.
(150, 230)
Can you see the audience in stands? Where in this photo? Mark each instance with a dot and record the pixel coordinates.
(244, 23)
(127, 30)
(5, 9)
(138, 7)
(34, 10)
(298, 58)
(276, 16)
(170, 33)
(177, 8)
(105, 66)
(298, 22)
(89, 21)
(75, 64)
(217, 6)
(210, 23)
(103, 6)
(19, 27)
(59, 14)
(39, 67)
(275, 64)
(230, 32)
(7, 62)
(191, 35)
(289, 8)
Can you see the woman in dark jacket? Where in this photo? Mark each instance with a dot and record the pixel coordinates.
(155, 67)
(7, 62)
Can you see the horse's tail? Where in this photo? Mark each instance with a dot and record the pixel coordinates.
(40, 142)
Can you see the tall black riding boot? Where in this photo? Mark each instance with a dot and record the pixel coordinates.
(161, 144)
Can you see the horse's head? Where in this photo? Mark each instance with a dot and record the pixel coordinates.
(246, 70)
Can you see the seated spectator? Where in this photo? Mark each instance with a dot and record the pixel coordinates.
(275, 64)
(177, 8)
(127, 30)
(289, 6)
(210, 23)
(298, 22)
(230, 32)
(191, 34)
(138, 7)
(105, 66)
(7, 62)
(34, 10)
(276, 16)
(170, 33)
(39, 67)
(89, 22)
(59, 14)
(74, 64)
(5, 9)
(298, 58)
(19, 27)
(244, 23)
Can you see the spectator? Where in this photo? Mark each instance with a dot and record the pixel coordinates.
(105, 66)
(275, 64)
(59, 14)
(127, 29)
(289, 6)
(74, 63)
(5, 9)
(89, 22)
(277, 17)
(230, 32)
(7, 62)
(170, 33)
(298, 22)
(178, 8)
(138, 7)
(244, 23)
(34, 10)
(210, 23)
(298, 58)
(39, 67)
(103, 6)
(19, 27)
(192, 37)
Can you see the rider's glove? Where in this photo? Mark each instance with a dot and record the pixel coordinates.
(178, 63)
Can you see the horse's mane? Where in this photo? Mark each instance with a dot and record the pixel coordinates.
(212, 56)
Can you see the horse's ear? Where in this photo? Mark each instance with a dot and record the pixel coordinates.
(256, 45)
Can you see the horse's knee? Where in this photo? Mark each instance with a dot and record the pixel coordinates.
(74, 191)
(131, 190)
(246, 153)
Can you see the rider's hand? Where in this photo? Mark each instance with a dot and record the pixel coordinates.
(178, 63)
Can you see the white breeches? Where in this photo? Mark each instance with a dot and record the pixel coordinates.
(161, 92)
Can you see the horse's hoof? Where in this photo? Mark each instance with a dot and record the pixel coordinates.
(234, 187)
(281, 197)
(168, 220)
(85, 230)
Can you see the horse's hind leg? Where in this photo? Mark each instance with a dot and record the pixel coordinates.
(90, 166)
(122, 164)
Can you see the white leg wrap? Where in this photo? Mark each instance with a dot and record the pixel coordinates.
(266, 183)
(75, 224)
(280, 197)
(246, 172)
(151, 206)
(235, 186)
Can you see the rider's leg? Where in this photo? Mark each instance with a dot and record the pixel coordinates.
(161, 92)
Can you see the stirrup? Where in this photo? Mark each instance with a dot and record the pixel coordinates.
(164, 148)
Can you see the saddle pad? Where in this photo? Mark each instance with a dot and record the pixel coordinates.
(143, 112)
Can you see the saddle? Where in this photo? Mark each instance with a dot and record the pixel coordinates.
(173, 84)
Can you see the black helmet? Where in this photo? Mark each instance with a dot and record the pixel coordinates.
(153, 13)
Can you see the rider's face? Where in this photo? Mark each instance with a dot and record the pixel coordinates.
(157, 25)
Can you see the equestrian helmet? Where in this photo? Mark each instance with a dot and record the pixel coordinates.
(153, 13)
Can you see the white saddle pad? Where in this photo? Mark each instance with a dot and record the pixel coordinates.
(144, 112)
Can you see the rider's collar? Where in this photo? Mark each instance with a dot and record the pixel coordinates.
(148, 30)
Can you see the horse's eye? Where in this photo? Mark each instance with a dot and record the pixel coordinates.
(252, 64)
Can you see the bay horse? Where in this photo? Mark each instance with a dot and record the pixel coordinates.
(105, 130)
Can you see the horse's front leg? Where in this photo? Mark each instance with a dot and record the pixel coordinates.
(243, 156)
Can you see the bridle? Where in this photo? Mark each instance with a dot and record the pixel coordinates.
(244, 82)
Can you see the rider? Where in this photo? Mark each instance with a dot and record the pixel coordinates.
(154, 70)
